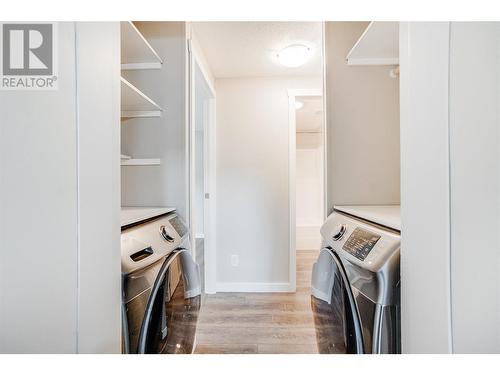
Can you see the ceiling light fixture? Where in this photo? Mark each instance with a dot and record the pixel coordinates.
(294, 55)
(298, 105)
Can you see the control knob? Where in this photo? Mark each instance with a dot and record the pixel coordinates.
(339, 232)
(165, 235)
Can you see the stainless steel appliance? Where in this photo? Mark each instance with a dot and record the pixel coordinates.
(356, 287)
(161, 287)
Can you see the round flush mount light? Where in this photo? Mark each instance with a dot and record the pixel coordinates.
(298, 105)
(294, 55)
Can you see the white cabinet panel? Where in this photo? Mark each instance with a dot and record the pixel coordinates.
(99, 328)
(425, 247)
(475, 186)
(38, 213)
(59, 202)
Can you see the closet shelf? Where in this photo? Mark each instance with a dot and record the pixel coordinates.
(139, 162)
(134, 114)
(134, 103)
(378, 45)
(136, 52)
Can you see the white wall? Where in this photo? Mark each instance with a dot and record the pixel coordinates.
(363, 124)
(309, 190)
(59, 228)
(425, 247)
(165, 137)
(252, 182)
(450, 259)
(99, 318)
(475, 186)
(38, 214)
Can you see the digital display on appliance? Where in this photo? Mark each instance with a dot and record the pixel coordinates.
(360, 243)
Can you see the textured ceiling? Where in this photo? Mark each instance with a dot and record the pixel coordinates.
(248, 49)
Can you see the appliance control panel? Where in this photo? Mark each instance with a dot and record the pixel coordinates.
(360, 243)
(367, 245)
(151, 241)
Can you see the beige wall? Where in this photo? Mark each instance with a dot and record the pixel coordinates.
(252, 181)
(363, 124)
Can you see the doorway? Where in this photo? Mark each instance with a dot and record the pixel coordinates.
(307, 178)
(254, 65)
(202, 116)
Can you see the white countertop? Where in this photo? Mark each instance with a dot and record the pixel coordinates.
(388, 216)
(131, 215)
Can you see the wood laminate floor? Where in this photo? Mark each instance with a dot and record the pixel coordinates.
(260, 322)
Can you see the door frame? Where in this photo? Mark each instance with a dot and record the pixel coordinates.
(196, 58)
(292, 181)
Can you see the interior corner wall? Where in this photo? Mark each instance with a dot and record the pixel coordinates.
(252, 182)
(362, 124)
(165, 137)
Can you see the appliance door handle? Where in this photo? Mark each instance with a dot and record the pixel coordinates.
(142, 254)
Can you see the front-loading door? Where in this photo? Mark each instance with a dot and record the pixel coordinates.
(169, 325)
(336, 318)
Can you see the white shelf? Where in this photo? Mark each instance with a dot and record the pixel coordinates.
(389, 216)
(134, 114)
(378, 45)
(136, 52)
(124, 157)
(134, 103)
(132, 215)
(139, 162)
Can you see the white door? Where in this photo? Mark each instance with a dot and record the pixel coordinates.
(202, 167)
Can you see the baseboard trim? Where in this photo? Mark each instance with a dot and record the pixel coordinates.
(255, 287)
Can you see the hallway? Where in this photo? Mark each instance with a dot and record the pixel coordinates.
(251, 323)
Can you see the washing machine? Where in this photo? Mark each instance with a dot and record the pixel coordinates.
(161, 289)
(355, 291)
